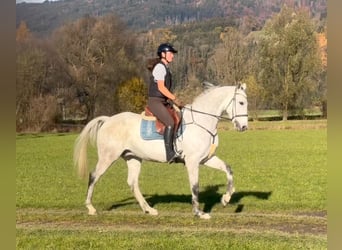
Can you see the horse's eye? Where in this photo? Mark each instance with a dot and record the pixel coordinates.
(241, 103)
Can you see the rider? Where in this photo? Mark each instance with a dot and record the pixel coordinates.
(160, 94)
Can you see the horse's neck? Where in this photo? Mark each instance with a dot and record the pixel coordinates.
(207, 107)
(213, 101)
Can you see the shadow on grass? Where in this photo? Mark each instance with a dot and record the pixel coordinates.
(209, 196)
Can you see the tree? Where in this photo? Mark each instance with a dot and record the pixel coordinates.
(100, 55)
(34, 101)
(322, 78)
(132, 95)
(23, 33)
(31, 63)
(40, 75)
(255, 95)
(288, 60)
(228, 64)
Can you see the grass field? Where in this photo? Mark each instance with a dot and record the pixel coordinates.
(280, 171)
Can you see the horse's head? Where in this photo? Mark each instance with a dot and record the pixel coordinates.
(237, 108)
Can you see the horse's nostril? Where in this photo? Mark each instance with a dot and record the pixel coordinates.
(244, 128)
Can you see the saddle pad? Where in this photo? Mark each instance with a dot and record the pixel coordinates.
(148, 130)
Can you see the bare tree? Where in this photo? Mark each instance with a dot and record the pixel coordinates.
(228, 64)
(100, 54)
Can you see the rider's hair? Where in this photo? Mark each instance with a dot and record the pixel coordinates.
(152, 62)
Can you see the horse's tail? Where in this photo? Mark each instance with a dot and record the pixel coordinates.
(88, 134)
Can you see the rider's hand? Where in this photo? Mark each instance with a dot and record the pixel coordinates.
(178, 103)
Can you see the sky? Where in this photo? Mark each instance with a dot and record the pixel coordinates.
(32, 1)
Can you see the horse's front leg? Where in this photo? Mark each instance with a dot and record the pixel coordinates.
(217, 163)
(134, 166)
(193, 173)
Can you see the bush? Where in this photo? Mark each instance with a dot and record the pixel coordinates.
(40, 115)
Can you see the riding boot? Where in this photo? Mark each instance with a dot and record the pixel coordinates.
(168, 140)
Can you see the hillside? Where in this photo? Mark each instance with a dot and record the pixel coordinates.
(43, 18)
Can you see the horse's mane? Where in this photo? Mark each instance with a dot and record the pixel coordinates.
(205, 92)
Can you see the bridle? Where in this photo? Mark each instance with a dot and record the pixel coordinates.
(234, 115)
(219, 117)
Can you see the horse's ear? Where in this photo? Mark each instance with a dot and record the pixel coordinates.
(242, 86)
(207, 85)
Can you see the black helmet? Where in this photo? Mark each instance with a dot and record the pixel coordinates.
(164, 47)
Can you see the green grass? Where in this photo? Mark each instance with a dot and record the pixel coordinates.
(80, 239)
(280, 200)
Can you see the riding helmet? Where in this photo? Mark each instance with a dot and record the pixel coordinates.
(164, 47)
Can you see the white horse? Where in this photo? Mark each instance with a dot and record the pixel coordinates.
(119, 136)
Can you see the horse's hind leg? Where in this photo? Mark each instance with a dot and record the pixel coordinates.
(217, 163)
(134, 166)
(102, 165)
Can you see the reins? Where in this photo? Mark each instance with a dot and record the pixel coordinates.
(219, 116)
(212, 115)
(199, 125)
(205, 113)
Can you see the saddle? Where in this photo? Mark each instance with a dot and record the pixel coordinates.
(160, 127)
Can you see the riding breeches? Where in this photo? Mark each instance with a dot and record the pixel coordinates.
(158, 108)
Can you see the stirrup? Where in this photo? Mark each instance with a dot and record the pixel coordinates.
(173, 159)
(176, 156)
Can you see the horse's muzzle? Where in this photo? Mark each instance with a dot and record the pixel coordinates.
(240, 128)
(243, 128)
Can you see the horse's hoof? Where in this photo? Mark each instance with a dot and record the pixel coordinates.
(225, 199)
(202, 215)
(205, 216)
(91, 210)
(152, 212)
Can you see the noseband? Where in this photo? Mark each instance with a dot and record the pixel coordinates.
(234, 113)
(220, 116)
(216, 116)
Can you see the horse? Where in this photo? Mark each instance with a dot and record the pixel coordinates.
(119, 136)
